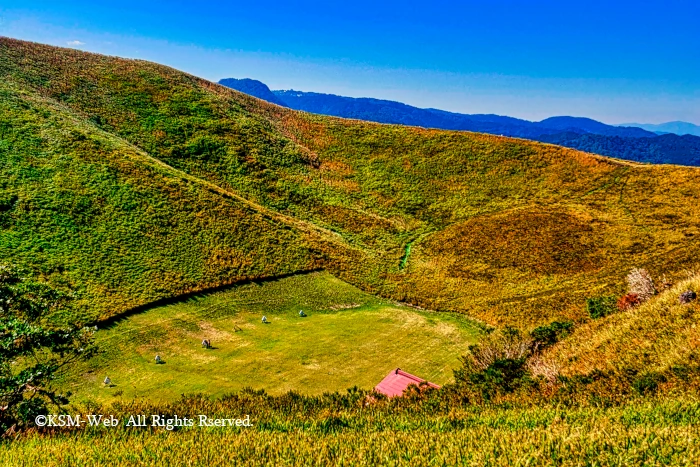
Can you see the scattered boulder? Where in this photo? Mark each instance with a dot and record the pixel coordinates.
(687, 297)
(264, 319)
(158, 360)
(108, 381)
(206, 344)
(302, 314)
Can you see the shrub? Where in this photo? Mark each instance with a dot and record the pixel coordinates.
(687, 297)
(641, 284)
(599, 307)
(504, 374)
(648, 382)
(507, 344)
(31, 353)
(549, 334)
(497, 364)
(681, 372)
(628, 302)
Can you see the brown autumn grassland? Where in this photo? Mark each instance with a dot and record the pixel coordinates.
(131, 182)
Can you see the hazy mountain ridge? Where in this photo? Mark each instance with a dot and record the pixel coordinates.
(385, 111)
(663, 149)
(678, 128)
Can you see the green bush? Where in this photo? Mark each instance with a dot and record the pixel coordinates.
(598, 307)
(503, 375)
(648, 383)
(498, 364)
(551, 333)
(32, 354)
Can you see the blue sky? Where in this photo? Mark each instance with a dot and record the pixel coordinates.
(615, 61)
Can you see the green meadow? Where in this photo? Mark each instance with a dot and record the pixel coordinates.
(348, 338)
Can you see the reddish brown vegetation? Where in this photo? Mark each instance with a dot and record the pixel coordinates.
(628, 302)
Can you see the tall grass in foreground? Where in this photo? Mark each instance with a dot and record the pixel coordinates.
(652, 432)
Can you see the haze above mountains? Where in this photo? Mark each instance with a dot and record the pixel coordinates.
(638, 142)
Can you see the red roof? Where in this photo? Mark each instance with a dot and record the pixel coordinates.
(397, 381)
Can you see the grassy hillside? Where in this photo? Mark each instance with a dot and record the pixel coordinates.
(505, 230)
(90, 212)
(512, 231)
(348, 338)
(661, 338)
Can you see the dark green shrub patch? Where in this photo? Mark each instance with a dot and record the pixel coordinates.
(598, 307)
(544, 336)
(648, 383)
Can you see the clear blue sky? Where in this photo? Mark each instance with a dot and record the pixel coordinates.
(615, 61)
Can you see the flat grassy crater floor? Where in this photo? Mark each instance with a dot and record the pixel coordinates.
(348, 338)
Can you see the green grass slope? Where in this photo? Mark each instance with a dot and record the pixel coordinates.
(88, 211)
(506, 230)
(348, 339)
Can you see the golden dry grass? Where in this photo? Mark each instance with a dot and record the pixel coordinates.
(654, 337)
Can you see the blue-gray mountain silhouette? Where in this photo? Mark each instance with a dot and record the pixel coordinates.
(252, 87)
(678, 128)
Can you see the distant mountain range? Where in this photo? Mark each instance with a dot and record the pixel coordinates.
(678, 128)
(625, 142)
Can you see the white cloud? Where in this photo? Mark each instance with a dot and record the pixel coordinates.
(75, 43)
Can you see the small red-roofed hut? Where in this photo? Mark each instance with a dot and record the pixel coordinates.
(397, 381)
